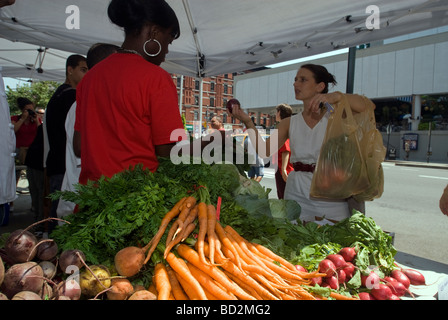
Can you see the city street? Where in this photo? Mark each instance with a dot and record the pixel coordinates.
(409, 207)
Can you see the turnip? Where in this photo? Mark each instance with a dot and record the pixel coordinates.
(327, 266)
(27, 276)
(348, 253)
(381, 292)
(338, 260)
(401, 277)
(415, 277)
(26, 295)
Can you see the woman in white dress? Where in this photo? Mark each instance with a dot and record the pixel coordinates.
(306, 132)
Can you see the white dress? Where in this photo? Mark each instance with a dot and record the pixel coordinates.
(305, 146)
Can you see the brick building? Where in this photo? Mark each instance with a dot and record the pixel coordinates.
(216, 92)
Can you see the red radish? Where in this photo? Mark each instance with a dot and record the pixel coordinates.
(389, 279)
(327, 266)
(381, 292)
(415, 277)
(348, 253)
(365, 296)
(394, 297)
(338, 260)
(317, 280)
(332, 282)
(349, 270)
(397, 288)
(300, 268)
(401, 277)
(341, 276)
(370, 281)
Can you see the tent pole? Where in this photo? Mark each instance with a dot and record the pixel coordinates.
(201, 93)
(181, 93)
(351, 69)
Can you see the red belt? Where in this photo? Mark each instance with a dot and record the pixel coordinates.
(299, 166)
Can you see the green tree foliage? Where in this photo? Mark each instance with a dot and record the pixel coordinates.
(39, 92)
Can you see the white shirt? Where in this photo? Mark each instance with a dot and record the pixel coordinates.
(305, 144)
(72, 164)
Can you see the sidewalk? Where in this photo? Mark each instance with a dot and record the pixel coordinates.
(433, 165)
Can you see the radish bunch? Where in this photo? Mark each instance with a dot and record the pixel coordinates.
(340, 268)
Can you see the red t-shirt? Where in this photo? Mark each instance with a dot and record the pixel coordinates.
(125, 107)
(284, 148)
(26, 133)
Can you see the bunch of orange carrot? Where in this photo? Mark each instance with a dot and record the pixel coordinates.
(222, 265)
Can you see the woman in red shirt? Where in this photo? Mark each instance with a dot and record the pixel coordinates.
(284, 153)
(25, 126)
(127, 104)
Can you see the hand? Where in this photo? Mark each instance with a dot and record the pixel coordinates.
(316, 101)
(238, 113)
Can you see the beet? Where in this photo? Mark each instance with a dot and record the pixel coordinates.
(27, 276)
(19, 246)
(2, 271)
(47, 250)
(71, 258)
(26, 295)
(69, 288)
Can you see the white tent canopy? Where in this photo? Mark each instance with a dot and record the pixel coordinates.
(217, 36)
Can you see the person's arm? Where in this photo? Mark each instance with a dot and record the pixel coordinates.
(18, 124)
(285, 160)
(263, 148)
(443, 203)
(358, 103)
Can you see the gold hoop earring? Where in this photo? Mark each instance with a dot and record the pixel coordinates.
(152, 54)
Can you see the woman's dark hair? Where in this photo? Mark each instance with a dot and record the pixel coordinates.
(22, 102)
(132, 15)
(321, 74)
